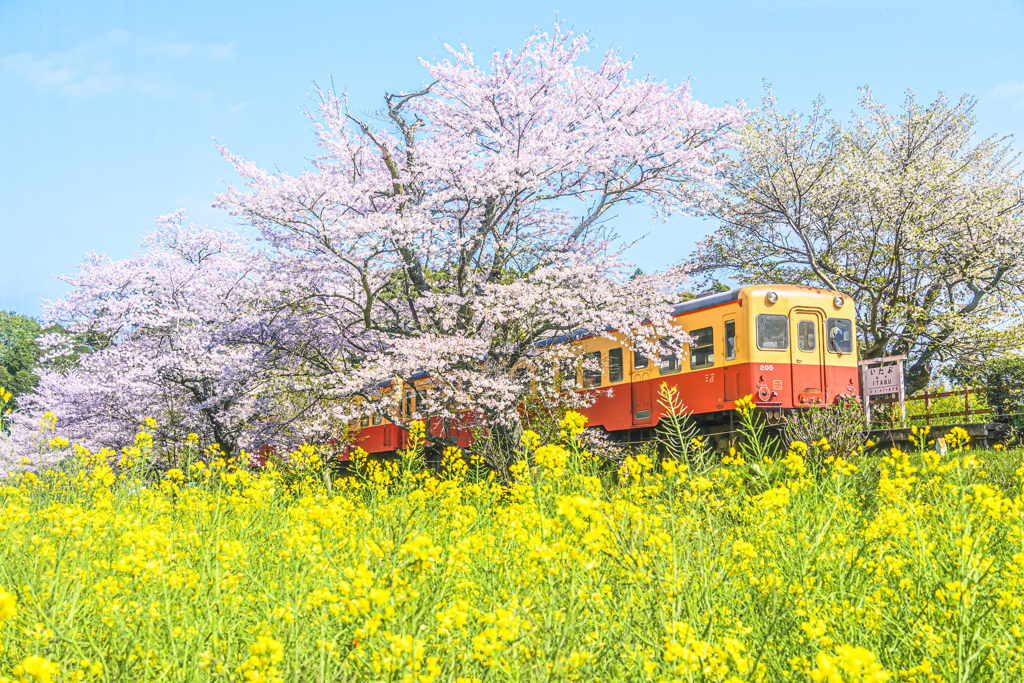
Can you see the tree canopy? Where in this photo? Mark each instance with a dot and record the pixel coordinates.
(19, 353)
(468, 224)
(454, 234)
(910, 214)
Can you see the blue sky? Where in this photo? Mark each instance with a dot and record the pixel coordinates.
(108, 110)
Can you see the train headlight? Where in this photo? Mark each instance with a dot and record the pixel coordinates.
(839, 301)
(771, 298)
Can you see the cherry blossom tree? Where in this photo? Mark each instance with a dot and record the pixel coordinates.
(910, 214)
(455, 236)
(469, 223)
(184, 333)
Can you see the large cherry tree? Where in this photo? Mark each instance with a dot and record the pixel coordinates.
(469, 223)
(457, 234)
(184, 332)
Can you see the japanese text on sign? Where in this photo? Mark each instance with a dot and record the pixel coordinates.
(884, 379)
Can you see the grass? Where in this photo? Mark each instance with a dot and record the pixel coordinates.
(768, 566)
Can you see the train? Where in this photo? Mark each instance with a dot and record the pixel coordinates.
(790, 347)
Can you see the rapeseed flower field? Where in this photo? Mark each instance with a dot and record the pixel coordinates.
(769, 565)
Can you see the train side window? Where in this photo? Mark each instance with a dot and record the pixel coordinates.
(378, 419)
(407, 408)
(592, 370)
(615, 365)
(546, 372)
(772, 332)
(702, 355)
(669, 361)
(730, 340)
(639, 361)
(568, 375)
(806, 336)
(839, 334)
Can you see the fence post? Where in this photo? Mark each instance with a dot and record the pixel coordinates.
(967, 404)
(928, 408)
(902, 396)
(867, 397)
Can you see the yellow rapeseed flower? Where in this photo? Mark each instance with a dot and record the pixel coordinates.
(552, 457)
(36, 668)
(572, 424)
(8, 605)
(857, 662)
(530, 439)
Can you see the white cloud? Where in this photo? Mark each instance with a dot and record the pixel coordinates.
(169, 50)
(152, 85)
(98, 67)
(220, 53)
(1011, 90)
(236, 108)
(62, 75)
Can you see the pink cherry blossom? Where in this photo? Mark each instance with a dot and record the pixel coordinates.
(456, 236)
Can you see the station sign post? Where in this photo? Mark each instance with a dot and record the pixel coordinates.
(881, 376)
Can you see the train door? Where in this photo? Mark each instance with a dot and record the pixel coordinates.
(640, 388)
(730, 368)
(807, 356)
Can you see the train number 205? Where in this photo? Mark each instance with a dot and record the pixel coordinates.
(767, 367)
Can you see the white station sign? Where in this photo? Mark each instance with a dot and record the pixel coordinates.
(884, 379)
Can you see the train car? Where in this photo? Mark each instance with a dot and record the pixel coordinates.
(378, 434)
(790, 347)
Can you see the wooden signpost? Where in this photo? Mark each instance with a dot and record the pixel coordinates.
(882, 376)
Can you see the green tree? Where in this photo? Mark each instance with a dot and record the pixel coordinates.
(915, 216)
(19, 352)
(1003, 380)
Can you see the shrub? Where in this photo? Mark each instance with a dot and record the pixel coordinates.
(678, 437)
(842, 425)
(1003, 380)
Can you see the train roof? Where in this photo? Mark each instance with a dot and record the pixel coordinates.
(419, 374)
(701, 301)
(572, 336)
(706, 300)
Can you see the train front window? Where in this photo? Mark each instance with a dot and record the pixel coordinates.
(639, 361)
(839, 333)
(702, 355)
(591, 370)
(378, 419)
(730, 340)
(615, 365)
(669, 361)
(364, 421)
(806, 336)
(772, 332)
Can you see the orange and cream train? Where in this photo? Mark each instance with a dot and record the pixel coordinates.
(790, 347)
